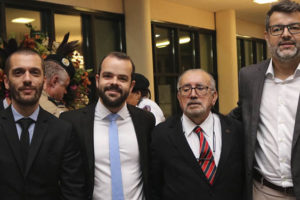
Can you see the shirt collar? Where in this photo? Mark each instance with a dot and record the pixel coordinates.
(18, 116)
(206, 125)
(270, 71)
(102, 112)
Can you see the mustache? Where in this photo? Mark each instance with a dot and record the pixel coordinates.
(113, 87)
(286, 41)
(194, 102)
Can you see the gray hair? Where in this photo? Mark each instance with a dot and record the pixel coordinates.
(212, 80)
(52, 68)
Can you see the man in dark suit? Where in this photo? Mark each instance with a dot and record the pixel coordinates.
(197, 155)
(270, 110)
(39, 157)
(132, 130)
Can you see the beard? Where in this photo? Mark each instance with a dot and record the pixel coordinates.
(110, 103)
(195, 113)
(19, 99)
(285, 55)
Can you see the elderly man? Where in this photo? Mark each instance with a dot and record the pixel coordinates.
(198, 155)
(269, 107)
(40, 157)
(58, 72)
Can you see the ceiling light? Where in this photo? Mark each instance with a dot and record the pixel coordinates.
(157, 35)
(162, 44)
(264, 1)
(184, 40)
(22, 20)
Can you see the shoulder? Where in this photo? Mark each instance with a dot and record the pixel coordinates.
(139, 112)
(74, 114)
(173, 122)
(230, 122)
(53, 121)
(253, 68)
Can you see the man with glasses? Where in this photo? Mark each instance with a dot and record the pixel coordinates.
(269, 108)
(197, 155)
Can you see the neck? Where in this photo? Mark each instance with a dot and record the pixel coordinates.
(24, 110)
(283, 70)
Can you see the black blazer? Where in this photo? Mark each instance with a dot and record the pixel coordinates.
(1, 105)
(83, 124)
(54, 167)
(251, 82)
(176, 174)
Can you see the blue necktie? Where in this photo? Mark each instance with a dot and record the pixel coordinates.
(114, 155)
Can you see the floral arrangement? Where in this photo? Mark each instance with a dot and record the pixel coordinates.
(78, 90)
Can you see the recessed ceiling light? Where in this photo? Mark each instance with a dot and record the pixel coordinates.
(264, 1)
(22, 20)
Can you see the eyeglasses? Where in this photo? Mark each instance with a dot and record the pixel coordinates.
(276, 30)
(200, 90)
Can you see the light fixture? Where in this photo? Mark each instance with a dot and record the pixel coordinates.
(162, 44)
(184, 40)
(264, 1)
(22, 20)
(157, 35)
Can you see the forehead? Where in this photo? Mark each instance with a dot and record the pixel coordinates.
(116, 66)
(284, 18)
(25, 61)
(194, 78)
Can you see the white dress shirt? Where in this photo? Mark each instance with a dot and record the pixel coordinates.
(151, 106)
(212, 132)
(129, 156)
(276, 127)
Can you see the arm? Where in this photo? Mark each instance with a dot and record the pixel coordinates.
(72, 174)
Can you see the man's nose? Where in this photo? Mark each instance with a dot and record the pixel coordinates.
(286, 33)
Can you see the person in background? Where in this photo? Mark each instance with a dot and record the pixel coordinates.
(58, 72)
(139, 97)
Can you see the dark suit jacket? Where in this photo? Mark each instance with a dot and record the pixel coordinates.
(251, 82)
(54, 167)
(176, 173)
(83, 124)
(1, 105)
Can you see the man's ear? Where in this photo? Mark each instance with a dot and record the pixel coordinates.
(6, 81)
(215, 97)
(132, 85)
(54, 80)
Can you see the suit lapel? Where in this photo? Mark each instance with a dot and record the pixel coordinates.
(297, 125)
(138, 126)
(257, 85)
(178, 139)
(38, 136)
(226, 145)
(87, 117)
(11, 134)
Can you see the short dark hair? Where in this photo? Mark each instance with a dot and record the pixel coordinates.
(22, 52)
(285, 6)
(121, 56)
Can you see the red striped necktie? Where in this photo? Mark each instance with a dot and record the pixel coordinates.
(206, 158)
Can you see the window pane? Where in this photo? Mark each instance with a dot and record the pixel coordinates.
(166, 91)
(186, 51)
(259, 51)
(206, 52)
(17, 29)
(239, 56)
(107, 38)
(164, 49)
(248, 52)
(65, 24)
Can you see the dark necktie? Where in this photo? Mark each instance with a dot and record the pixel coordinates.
(25, 140)
(206, 158)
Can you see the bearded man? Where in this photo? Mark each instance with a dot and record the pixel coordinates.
(197, 155)
(39, 158)
(114, 136)
(269, 107)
